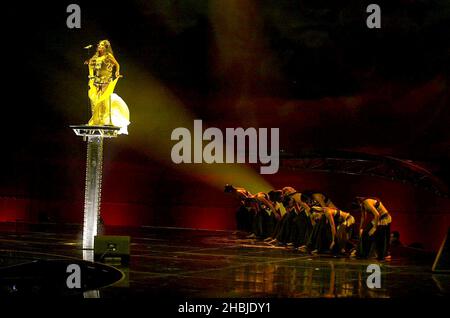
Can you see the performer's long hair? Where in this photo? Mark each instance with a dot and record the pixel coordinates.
(107, 46)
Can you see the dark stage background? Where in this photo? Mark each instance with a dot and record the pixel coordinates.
(311, 68)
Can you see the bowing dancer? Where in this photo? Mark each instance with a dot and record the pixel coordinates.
(301, 226)
(265, 219)
(276, 197)
(246, 212)
(321, 236)
(374, 228)
(282, 233)
(332, 230)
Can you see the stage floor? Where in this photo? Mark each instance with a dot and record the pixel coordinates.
(171, 262)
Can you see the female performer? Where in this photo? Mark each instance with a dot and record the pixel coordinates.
(246, 212)
(299, 224)
(332, 229)
(265, 218)
(107, 108)
(376, 231)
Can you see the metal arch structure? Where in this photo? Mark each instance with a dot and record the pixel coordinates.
(360, 164)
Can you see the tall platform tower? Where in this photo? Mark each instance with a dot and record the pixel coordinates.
(94, 136)
(110, 117)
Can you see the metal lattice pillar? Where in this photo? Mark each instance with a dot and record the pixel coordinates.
(93, 188)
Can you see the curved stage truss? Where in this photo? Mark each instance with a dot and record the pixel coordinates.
(361, 164)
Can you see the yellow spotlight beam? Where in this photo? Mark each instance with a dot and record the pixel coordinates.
(155, 112)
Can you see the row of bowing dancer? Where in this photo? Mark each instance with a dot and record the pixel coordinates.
(311, 223)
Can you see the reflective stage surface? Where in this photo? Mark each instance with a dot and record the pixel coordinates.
(167, 262)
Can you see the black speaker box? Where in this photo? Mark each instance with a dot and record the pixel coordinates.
(110, 248)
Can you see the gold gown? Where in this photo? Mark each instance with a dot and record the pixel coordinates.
(107, 107)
